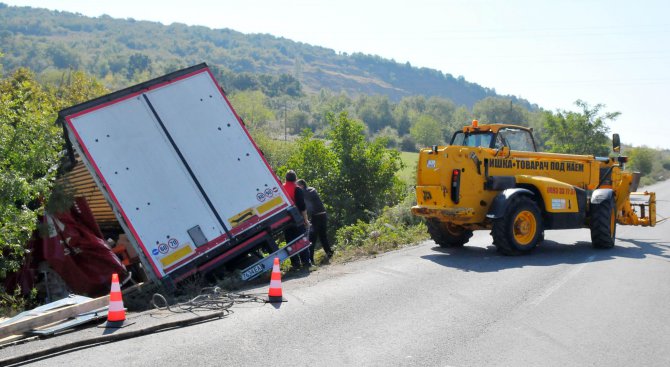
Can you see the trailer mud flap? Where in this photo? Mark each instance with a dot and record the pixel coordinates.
(298, 245)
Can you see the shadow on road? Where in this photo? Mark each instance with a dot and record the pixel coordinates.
(296, 274)
(650, 246)
(548, 253)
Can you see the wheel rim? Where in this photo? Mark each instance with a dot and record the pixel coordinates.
(525, 227)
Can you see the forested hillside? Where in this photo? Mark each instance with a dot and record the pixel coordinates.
(119, 51)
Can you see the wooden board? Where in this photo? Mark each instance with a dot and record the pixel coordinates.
(24, 325)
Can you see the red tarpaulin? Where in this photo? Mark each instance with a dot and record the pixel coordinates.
(74, 248)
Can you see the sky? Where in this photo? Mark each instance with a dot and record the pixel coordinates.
(550, 52)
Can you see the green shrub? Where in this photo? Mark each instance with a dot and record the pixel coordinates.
(12, 304)
(30, 144)
(355, 178)
(396, 227)
(31, 147)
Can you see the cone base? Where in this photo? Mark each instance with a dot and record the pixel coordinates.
(115, 324)
(274, 299)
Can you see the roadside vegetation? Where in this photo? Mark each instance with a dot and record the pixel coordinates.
(394, 228)
(31, 146)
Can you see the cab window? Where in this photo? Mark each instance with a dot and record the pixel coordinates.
(516, 139)
(482, 139)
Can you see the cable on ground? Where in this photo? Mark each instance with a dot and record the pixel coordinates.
(209, 299)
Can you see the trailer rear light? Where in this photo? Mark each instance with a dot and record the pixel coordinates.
(455, 185)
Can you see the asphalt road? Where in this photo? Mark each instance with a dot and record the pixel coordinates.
(567, 304)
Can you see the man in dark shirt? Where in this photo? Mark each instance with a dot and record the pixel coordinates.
(316, 212)
(292, 232)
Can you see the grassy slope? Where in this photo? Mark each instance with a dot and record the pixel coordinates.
(408, 173)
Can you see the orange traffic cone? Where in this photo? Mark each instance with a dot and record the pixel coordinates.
(274, 294)
(116, 313)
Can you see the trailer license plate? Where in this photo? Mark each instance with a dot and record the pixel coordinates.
(253, 271)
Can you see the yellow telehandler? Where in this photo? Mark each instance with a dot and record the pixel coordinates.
(492, 177)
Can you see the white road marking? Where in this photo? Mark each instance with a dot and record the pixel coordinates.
(561, 282)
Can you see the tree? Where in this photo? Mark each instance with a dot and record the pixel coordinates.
(241, 81)
(413, 104)
(390, 135)
(407, 144)
(582, 132)
(76, 87)
(30, 148)
(324, 103)
(356, 178)
(366, 172)
(283, 84)
(314, 162)
(138, 63)
(375, 111)
(642, 160)
(402, 120)
(297, 121)
(493, 110)
(426, 131)
(461, 117)
(30, 144)
(63, 57)
(251, 106)
(440, 108)
(276, 152)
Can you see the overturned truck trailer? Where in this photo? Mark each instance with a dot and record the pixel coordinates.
(183, 176)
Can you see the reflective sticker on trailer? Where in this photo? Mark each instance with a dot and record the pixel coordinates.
(181, 253)
(269, 205)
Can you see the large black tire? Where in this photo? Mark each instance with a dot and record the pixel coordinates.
(603, 224)
(520, 229)
(448, 235)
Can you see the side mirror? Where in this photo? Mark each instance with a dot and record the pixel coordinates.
(616, 143)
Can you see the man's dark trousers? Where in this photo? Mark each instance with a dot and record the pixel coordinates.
(318, 230)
